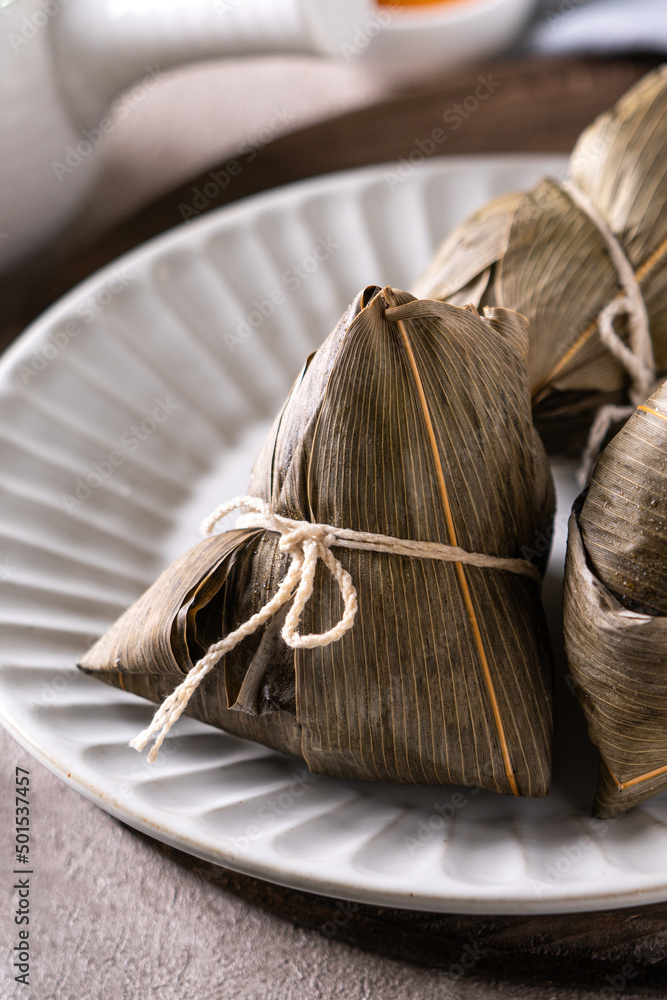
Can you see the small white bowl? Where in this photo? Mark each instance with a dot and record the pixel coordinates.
(418, 41)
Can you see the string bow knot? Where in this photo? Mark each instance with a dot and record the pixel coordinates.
(305, 544)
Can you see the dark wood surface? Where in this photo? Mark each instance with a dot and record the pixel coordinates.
(613, 950)
(535, 107)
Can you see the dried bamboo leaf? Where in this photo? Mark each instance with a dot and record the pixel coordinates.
(620, 166)
(416, 427)
(155, 642)
(464, 261)
(619, 163)
(551, 262)
(560, 293)
(616, 609)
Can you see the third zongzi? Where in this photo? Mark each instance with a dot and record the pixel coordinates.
(615, 610)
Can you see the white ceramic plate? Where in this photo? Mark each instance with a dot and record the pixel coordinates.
(145, 383)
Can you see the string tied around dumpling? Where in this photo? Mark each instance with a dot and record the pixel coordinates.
(637, 355)
(305, 543)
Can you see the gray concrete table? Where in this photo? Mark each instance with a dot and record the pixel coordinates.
(114, 919)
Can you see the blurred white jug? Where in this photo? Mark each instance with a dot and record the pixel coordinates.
(62, 62)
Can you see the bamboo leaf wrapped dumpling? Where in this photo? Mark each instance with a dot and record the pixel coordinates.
(466, 266)
(411, 422)
(553, 255)
(615, 611)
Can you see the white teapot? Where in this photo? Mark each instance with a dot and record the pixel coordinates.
(62, 63)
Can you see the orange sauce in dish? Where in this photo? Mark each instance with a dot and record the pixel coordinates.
(413, 3)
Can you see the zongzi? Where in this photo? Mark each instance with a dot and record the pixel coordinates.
(585, 260)
(376, 612)
(615, 611)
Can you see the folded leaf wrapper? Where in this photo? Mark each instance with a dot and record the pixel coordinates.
(544, 256)
(615, 611)
(445, 676)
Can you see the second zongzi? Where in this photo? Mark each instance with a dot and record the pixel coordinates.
(584, 258)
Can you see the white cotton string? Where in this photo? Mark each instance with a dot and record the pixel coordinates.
(637, 357)
(305, 543)
(368, 541)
